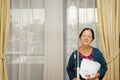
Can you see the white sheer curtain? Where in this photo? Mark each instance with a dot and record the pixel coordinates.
(25, 52)
(87, 18)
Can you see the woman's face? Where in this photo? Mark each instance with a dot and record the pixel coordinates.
(86, 37)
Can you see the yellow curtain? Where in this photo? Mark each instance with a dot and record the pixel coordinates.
(109, 23)
(4, 27)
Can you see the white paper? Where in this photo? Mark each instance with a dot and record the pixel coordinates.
(89, 67)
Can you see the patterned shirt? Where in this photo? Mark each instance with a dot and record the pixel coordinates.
(90, 57)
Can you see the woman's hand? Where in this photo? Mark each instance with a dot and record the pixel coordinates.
(76, 79)
(91, 78)
(97, 75)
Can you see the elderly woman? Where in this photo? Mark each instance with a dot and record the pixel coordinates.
(86, 52)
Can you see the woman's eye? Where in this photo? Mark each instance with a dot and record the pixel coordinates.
(86, 36)
(89, 36)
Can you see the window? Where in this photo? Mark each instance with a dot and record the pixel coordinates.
(25, 52)
(87, 18)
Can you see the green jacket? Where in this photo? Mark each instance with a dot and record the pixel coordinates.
(97, 56)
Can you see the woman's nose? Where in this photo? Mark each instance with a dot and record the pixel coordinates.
(86, 37)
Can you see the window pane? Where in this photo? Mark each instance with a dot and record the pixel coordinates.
(25, 52)
(87, 18)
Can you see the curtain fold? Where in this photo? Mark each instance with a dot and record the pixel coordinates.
(4, 27)
(109, 17)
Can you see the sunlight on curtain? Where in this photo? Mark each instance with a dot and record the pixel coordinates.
(87, 18)
(25, 52)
